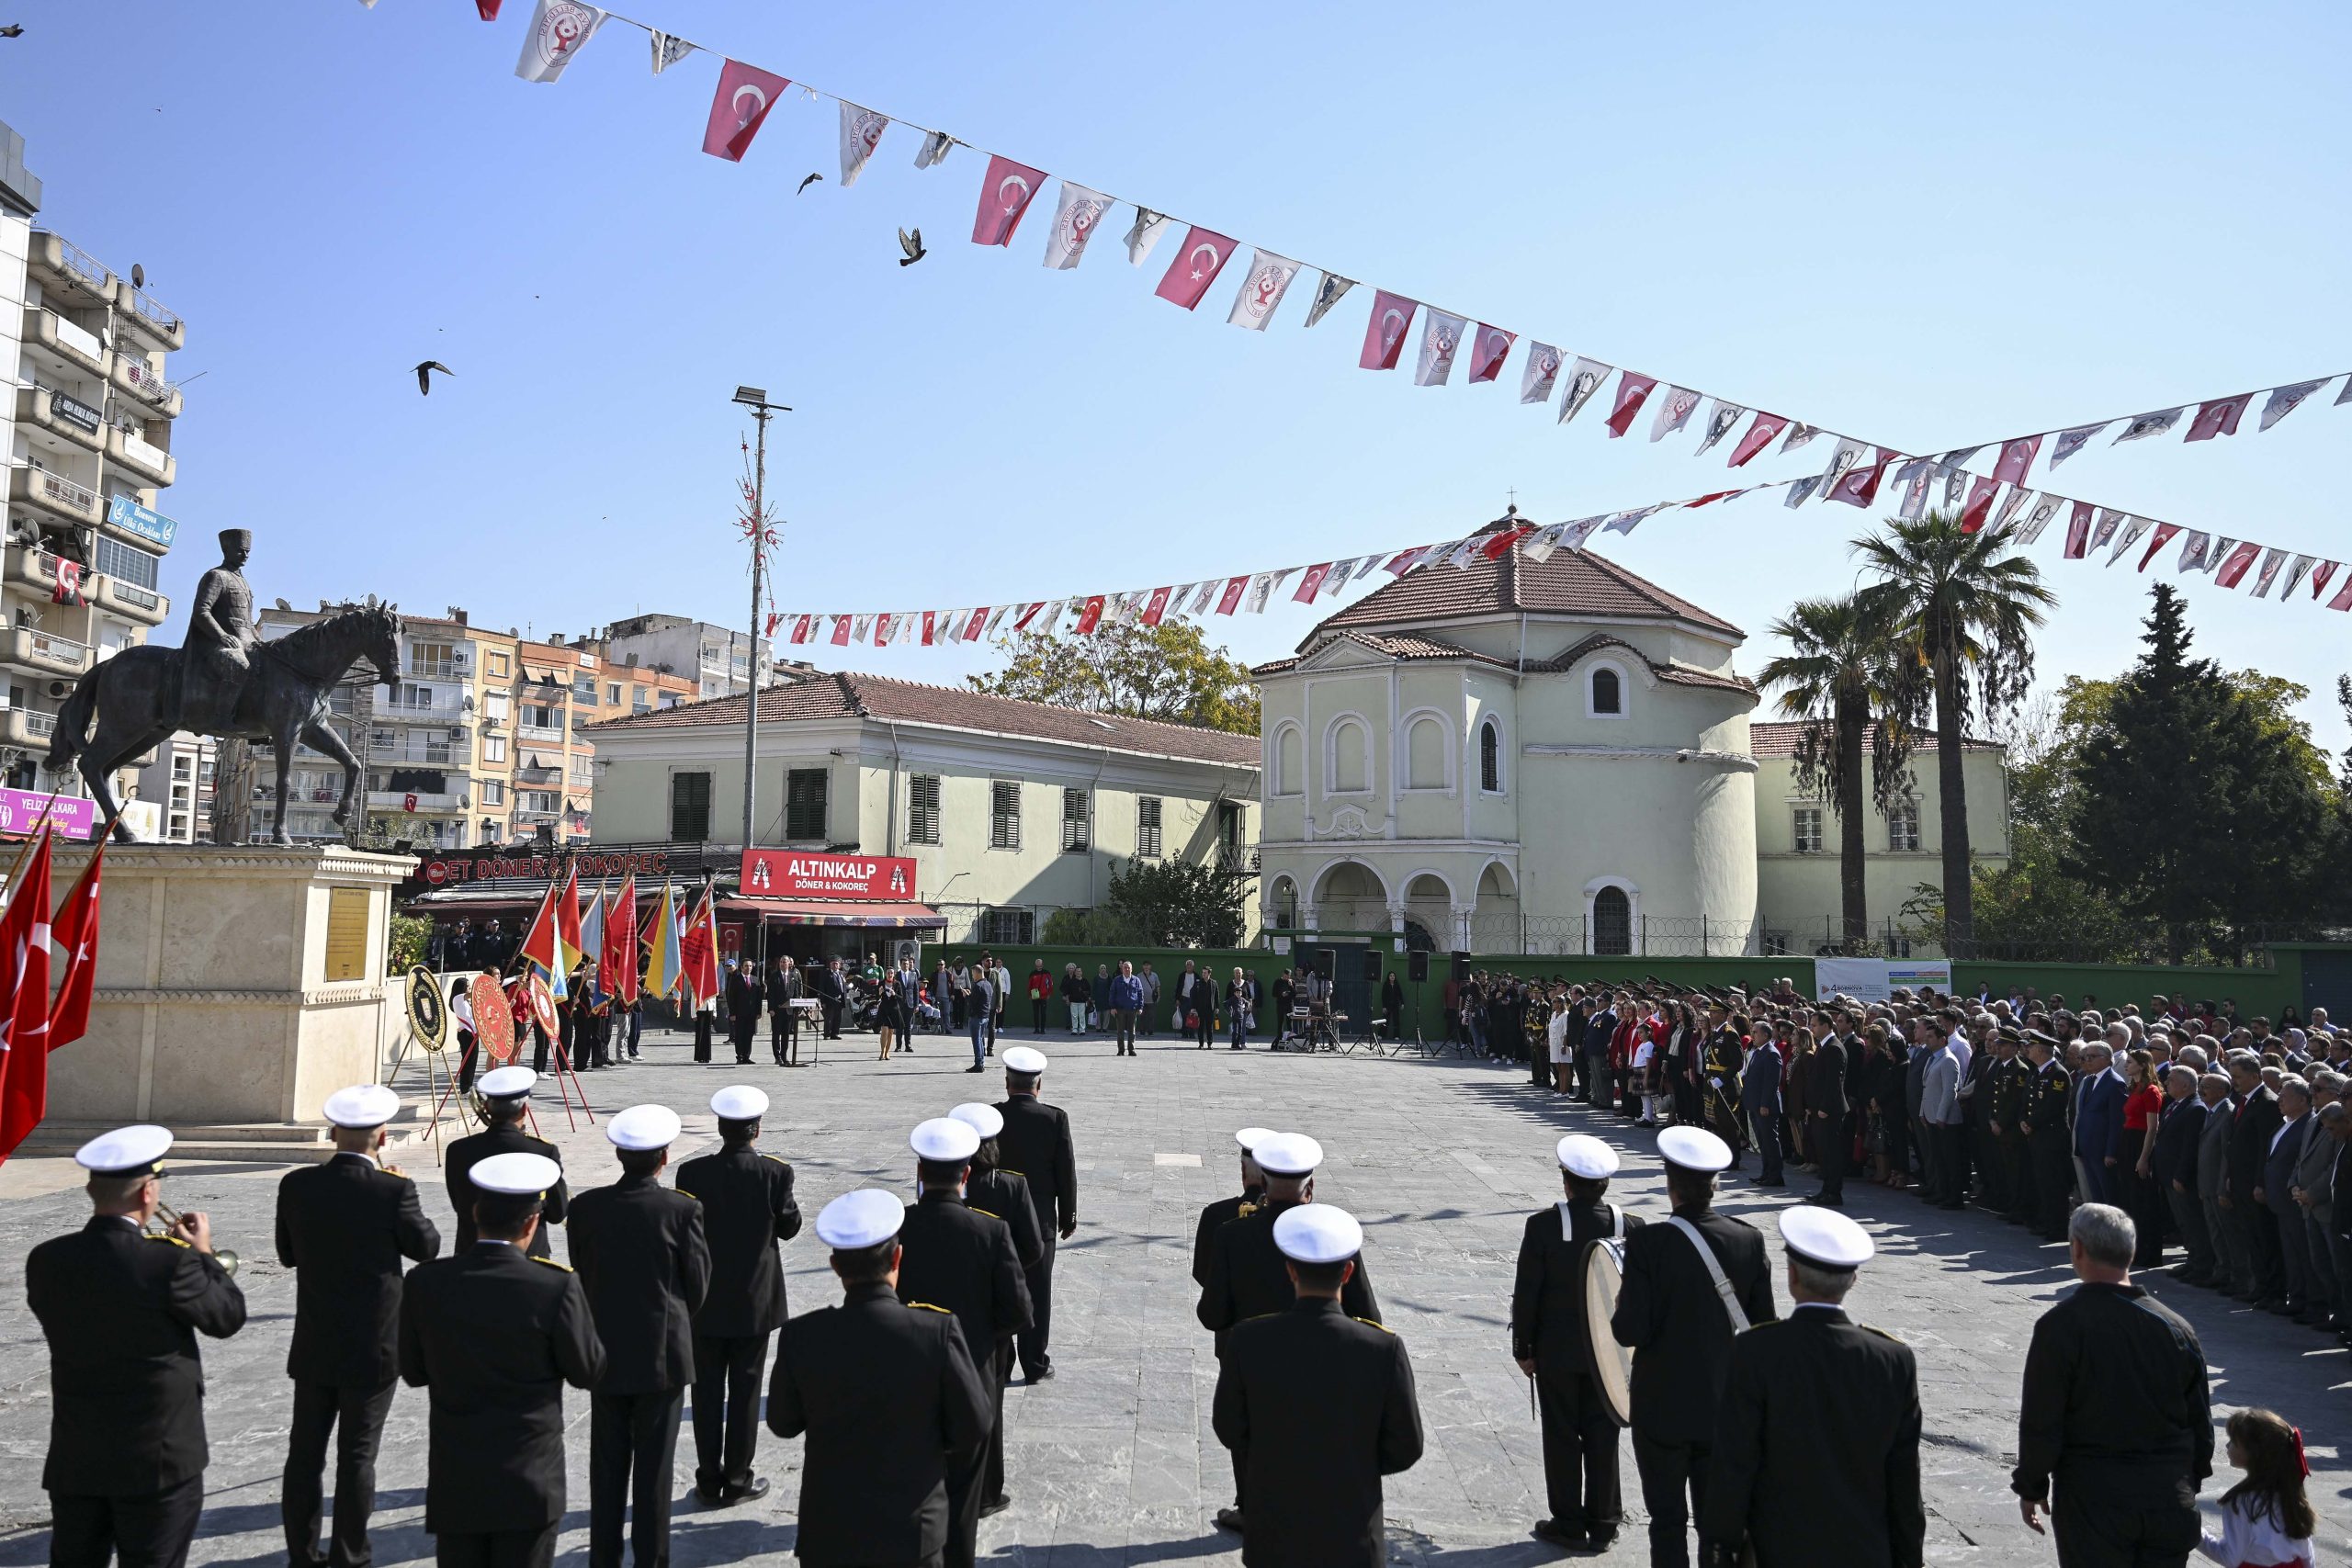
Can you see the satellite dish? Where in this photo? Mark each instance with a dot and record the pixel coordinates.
(138, 275)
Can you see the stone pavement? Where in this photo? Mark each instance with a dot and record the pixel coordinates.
(1112, 1461)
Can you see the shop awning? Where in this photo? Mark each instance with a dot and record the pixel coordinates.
(874, 917)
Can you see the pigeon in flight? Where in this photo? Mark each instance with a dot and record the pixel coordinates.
(13, 29)
(913, 246)
(424, 375)
(811, 180)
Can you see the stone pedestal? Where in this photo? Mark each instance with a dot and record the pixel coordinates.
(238, 987)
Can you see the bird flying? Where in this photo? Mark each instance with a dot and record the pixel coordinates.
(424, 375)
(13, 29)
(811, 180)
(913, 246)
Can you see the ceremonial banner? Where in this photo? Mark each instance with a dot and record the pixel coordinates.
(860, 130)
(934, 149)
(2069, 442)
(1632, 390)
(1384, 334)
(2219, 417)
(560, 30)
(2233, 570)
(1915, 477)
(1575, 535)
(1859, 486)
(1673, 411)
(1144, 233)
(1440, 339)
(1189, 276)
(1546, 541)
(2295, 570)
(75, 933)
(738, 108)
(1760, 435)
(2284, 400)
(25, 937)
(2271, 561)
(2147, 424)
(1538, 375)
(1800, 434)
(1584, 379)
(1488, 348)
(664, 965)
(2132, 528)
(1005, 194)
(1328, 290)
(1722, 419)
(1075, 219)
(1261, 290)
(2193, 554)
(2078, 532)
(2017, 456)
(1980, 503)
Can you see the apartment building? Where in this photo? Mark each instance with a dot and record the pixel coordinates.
(563, 685)
(719, 659)
(179, 784)
(88, 437)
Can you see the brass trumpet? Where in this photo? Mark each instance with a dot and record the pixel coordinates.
(225, 1256)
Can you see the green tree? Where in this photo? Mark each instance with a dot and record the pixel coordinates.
(1176, 903)
(1963, 608)
(1167, 672)
(1837, 676)
(409, 935)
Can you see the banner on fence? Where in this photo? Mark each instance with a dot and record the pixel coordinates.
(1876, 979)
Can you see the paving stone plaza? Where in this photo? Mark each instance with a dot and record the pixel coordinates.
(1112, 1461)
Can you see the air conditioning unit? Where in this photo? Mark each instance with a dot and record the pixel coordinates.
(61, 689)
(456, 732)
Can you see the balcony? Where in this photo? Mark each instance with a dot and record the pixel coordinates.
(74, 422)
(538, 734)
(396, 800)
(144, 385)
(447, 714)
(77, 346)
(53, 495)
(132, 602)
(66, 270)
(416, 752)
(142, 456)
(538, 778)
(28, 728)
(29, 650)
(145, 314)
(34, 569)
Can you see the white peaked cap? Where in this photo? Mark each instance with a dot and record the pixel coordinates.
(944, 1138)
(508, 1083)
(1580, 1154)
(866, 1217)
(362, 1105)
(1318, 1233)
(1250, 1137)
(1025, 1059)
(516, 1176)
(1825, 1238)
(126, 1151)
(642, 1127)
(1287, 1154)
(980, 1117)
(1693, 1148)
(740, 1102)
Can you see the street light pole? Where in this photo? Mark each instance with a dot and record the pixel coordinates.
(756, 400)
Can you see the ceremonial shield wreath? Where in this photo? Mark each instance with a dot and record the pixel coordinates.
(493, 1023)
(428, 1016)
(1611, 1364)
(543, 1007)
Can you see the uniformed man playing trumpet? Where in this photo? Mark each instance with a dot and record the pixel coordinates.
(120, 1307)
(505, 1096)
(344, 1228)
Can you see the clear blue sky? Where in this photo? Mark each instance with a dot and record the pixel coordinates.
(1914, 226)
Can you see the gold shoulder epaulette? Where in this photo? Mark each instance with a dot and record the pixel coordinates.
(1376, 1324)
(1881, 1333)
(550, 1263)
(928, 1307)
(683, 1193)
(991, 1213)
(152, 1235)
(1244, 1212)
(779, 1158)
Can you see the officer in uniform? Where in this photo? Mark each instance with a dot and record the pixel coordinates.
(1552, 1343)
(495, 1332)
(890, 1401)
(1818, 1439)
(1719, 1066)
(646, 1268)
(2011, 1077)
(1036, 1143)
(1005, 1195)
(1691, 1285)
(505, 1096)
(747, 1209)
(2050, 1159)
(344, 1228)
(1225, 1211)
(120, 1308)
(962, 1259)
(1317, 1407)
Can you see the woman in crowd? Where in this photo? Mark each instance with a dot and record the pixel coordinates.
(1797, 1132)
(1041, 994)
(1240, 996)
(1559, 1046)
(2143, 1104)
(890, 1018)
(1076, 995)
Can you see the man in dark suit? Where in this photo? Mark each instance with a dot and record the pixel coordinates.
(1816, 1443)
(889, 1399)
(1317, 1407)
(344, 1228)
(1825, 1112)
(1550, 1341)
(495, 1332)
(2099, 1120)
(2257, 1123)
(120, 1309)
(2173, 1169)
(505, 1099)
(783, 987)
(2228, 1268)
(646, 1267)
(2279, 1165)
(742, 1009)
(1680, 1326)
(954, 1255)
(746, 1209)
(1759, 1102)
(1036, 1143)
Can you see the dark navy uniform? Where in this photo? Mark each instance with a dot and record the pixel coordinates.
(2009, 1082)
(1547, 1326)
(1250, 1278)
(747, 1209)
(2049, 1160)
(121, 1311)
(495, 1335)
(344, 1228)
(1816, 1449)
(891, 1403)
(1215, 1218)
(1317, 1406)
(505, 1138)
(643, 1262)
(1036, 1143)
(1005, 1195)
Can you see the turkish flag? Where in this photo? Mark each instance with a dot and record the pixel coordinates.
(2240, 561)
(1384, 335)
(616, 966)
(1156, 607)
(2163, 535)
(1859, 486)
(803, 628)
(1710, 498)
(1630, 390)
(840, 631)
(1487, 352)
(1195, 266)
(1979, 502)
(2343, 600)
(1760, 435)
(1498, 545)
(1028, 613)
(1089, 616)
(488, 8)
(977, 624)
(1404, 561)
(738, 108)
(2017, 456)
(24, 1029)
(2320, 575)
(2217, 418)
(2078, 531)
(1312, 583)
(76, 930)
(1005, 194)
(69, 584)
(1230, 600)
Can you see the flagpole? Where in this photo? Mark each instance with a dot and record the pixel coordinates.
(756, 400)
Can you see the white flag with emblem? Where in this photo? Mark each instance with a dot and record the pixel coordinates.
(668, 49)
(861, 128)
(2109, 521)
(2069, 442)
(1673, 411)
(2295, 571)
(933, 150)
(1145, 232)
(560, 30)
(2284, 400)
(2147, 424)
(1262, 287)
(1584, 380)
(2132, 528)
(2271, 561)
(1075, 219)
(1720, 421)
(1538, 375)
(1329, 289)
(1440, 340)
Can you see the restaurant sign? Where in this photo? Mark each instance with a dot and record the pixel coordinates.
(454, 867)
(796, 874)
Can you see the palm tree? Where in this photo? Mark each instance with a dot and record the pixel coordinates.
(1963, 607)
(1842, 671)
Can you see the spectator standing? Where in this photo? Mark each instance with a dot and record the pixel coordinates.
(2279, 1172)
(1076, 995)
(2313, 1194)
(1123, 999)
(2173, 1171)
(1041, 996)
(1759, 1101)
(2098, 1121)
(2228, 1264)
(981, 997)
(2256, 1121)
(1825, 1112)
(1147, 986)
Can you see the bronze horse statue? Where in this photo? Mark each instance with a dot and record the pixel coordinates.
(137, 696)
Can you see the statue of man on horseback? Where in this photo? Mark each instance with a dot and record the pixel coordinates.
(228, 683)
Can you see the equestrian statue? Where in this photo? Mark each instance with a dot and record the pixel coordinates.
(228, 683)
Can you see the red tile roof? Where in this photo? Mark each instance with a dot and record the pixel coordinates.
(1572, 582)
(1778, 739)
(1394, 648)
(844, 694)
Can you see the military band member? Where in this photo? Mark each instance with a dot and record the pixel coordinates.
(891, 1403)
(1719, 1064)
(746, 1209)
(1225, 1211)
(956, 1257)
(1036, 1143)
(495, 1332)
(344, 1228)
(1005, 1195)
(646, 1268)
(120, 1308)
(1817, 1438)
(1552, 1343)
(506, 1100)
(2049, 1160)
(1691, 1285)
(1317, 1407)
(2011, 1079)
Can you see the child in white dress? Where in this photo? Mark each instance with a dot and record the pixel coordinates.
(2267, 1522)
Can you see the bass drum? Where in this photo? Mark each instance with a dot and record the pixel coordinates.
(1610, 1364)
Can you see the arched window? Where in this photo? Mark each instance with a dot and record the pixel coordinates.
(1608, 692)
(1290, 763)
(1347, 763)
(1612, 923)
(1425, 754)
(1490, 757)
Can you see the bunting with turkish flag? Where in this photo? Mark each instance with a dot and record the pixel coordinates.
(1384, 335)
(1487, 352)
(567, 920)
(2343, 600)
(1155, 608)
(2320, 574)
(75, 930)
(616, 964)
(1536, 376)
(1631, 391)
(2239, 561)
(1089, 614)
(1312, 583)
(1005, 194)
(2219, 417)
(2163, 536)
(738, 108)
(2078, 531)
(2017, 456)
(1980, 503)
(1188, 278)
(1760, 435)
(1230, 600)
(542, 946)
(1440, 340)
(24, 1029)
(698, 952)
